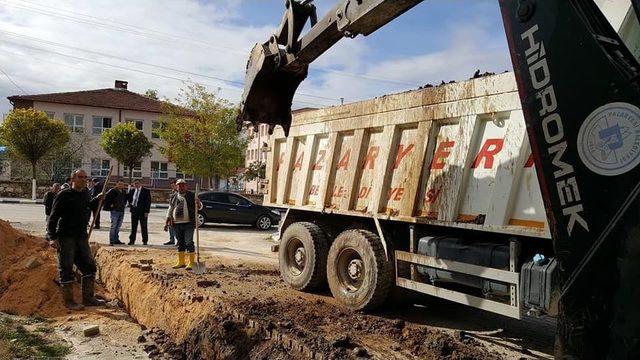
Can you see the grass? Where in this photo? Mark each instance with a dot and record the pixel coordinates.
(20, 343)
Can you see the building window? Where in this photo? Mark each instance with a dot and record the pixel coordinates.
(137, 171)
(139, 123)
(50, 114)
(75, 122)
(100, 167)
(159, 170)
(182, 175)
(155, 127)
(101, 123)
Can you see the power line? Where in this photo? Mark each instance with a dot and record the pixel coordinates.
(143, 71)
(59, 13)
(13, 82)
(52, 43)
(108, 25)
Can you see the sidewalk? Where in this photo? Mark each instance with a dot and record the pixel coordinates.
(39, 201)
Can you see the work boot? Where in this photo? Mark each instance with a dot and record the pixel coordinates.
(67, 296)
(169, 243)
(192, 260)
(88, 298)
(180, 263)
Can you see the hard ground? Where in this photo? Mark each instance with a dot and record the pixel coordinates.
(242, 305)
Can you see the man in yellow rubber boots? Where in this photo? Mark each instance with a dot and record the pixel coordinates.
(182, 215)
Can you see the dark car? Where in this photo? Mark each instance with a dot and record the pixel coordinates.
(228, 208)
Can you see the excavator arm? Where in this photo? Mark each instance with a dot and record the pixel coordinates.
(277, 67)
(580, 91)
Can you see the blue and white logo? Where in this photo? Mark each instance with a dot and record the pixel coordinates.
(609, 139)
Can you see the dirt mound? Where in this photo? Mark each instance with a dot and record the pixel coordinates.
(27, 275)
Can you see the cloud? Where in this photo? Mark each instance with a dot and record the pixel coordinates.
(471, 47)
(191, 35)
(211, 38)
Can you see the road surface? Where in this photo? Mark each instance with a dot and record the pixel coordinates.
(233, 241)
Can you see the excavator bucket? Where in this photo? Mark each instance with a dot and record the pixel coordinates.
(269, 89)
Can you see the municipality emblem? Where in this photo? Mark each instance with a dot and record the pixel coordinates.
(609, 139)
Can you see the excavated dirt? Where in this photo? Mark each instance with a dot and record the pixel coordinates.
(243, 310)
(27, 275)
(238, 309)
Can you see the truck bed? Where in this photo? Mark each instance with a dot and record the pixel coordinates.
(454, 155)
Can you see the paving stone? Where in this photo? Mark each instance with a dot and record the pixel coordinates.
(91, 330)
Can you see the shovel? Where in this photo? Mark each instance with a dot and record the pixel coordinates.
(199, 267)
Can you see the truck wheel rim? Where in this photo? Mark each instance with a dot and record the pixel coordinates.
(351, 270)
(296, 256)
(264, 222)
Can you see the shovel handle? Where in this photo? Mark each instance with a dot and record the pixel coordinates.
(100, 203)
(197, 226)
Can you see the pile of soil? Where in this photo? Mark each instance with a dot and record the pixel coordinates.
(28, 275)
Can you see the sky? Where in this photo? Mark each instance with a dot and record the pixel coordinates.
(69, 45)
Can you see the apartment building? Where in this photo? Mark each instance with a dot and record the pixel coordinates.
(88, 113)
(255, 154)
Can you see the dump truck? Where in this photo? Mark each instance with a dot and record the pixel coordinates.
(509, 193)
(405, 173)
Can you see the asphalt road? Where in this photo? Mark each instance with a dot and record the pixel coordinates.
(233, 241)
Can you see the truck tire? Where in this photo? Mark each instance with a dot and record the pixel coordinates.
(303, 256)
(358, 272)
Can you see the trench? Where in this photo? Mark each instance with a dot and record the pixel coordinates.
(243, 310)
(186, 323)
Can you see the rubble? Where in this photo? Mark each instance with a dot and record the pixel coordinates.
(91, 330)
(32, 263)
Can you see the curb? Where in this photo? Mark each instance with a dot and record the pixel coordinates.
(40, 202)
(20, 201)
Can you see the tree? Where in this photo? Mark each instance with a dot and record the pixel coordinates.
(152, 94)
(126, 144)
(256, 170)
(30, 135)
(200, 135)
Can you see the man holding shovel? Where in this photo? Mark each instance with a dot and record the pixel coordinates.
(67, 229)
(182, 215)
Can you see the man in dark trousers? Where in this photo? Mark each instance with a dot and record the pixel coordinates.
(139, 199)
(115, 201)
(96, 189)
(67, 230)
(182, 216)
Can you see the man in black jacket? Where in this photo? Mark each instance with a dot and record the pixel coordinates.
(139, 199)
(115, 201)
(96, 188)
(48, 199)
(67, 229)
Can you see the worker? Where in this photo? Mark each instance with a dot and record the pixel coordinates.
(67, 231)
(182, 217)
(172, 233)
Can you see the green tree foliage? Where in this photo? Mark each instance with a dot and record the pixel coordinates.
(200, 135)
(152, 94)
(30, 135)
(256, 170)
(126, 144)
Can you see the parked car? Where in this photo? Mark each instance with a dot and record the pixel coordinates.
(229, 208)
